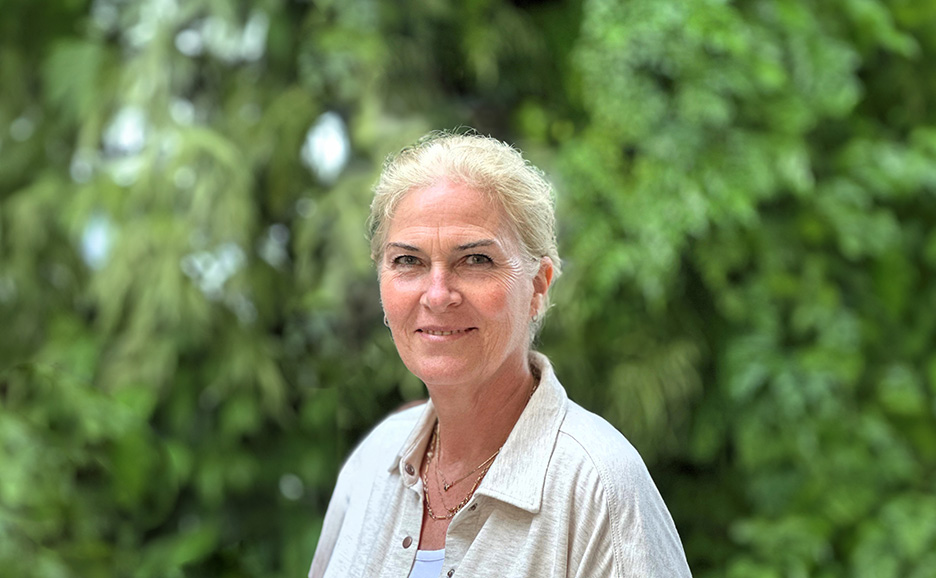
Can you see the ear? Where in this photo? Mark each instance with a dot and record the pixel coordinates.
(541, 282)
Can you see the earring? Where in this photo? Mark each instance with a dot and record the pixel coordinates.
(385, 322)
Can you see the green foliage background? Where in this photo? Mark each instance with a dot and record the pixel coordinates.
(747, 196)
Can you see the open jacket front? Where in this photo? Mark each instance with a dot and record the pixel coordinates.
(567, 496)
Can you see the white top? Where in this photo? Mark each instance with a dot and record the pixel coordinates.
(567, 496)
(428, 563)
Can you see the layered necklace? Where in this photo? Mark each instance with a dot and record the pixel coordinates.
(483, 467)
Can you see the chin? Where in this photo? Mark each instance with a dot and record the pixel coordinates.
(442, 371)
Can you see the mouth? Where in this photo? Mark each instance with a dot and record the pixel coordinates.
(445, 332)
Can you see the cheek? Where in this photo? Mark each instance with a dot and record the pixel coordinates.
(389, 296)
(510, 300)
(398, 294)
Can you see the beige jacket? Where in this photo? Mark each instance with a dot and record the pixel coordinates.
(567, 496)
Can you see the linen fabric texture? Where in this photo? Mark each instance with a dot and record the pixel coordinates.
(568, 496)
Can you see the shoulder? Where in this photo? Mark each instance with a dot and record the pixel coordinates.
(388, 436)
(384, 442)
(591, 442)
(597, 467)
(612, 490)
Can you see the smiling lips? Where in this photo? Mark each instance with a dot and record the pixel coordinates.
(444, 333)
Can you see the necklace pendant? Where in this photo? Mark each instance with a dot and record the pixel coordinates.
(446, 486)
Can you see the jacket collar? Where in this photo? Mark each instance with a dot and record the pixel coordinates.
(518, 475)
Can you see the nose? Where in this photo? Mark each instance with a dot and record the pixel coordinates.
(440, 293)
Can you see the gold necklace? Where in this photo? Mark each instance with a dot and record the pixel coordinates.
(425, 478)
(446, 485)
(434, 443)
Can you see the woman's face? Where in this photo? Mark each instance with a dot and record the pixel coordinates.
(456, 288)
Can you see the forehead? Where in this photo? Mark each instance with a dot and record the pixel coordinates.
(448, 208)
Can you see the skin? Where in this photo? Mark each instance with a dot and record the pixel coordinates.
(459, 294)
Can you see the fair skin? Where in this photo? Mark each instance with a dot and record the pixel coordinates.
(459, 294)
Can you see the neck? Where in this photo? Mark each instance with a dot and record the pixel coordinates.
(475, 419)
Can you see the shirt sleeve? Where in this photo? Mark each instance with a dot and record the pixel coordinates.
(343, 519)
(621, 528)
(646, 543)
(592, 553)
(334, 519)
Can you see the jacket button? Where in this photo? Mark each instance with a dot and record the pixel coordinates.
(473, 507)
(409, 469)
(451, 572)
(407, 542)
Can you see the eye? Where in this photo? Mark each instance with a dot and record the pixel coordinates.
(478, 259)
(406, 260)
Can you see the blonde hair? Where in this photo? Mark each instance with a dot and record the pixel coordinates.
(484, 164)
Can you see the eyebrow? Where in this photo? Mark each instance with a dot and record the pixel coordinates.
(403, 246)
(475, 245)
(465, 247)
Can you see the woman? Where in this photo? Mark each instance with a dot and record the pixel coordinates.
(499, 474)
